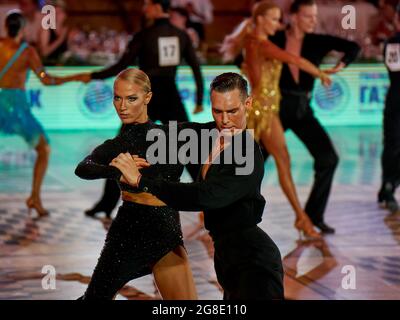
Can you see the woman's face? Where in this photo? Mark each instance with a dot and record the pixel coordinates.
(61, 14)
(130, 102)
(270, 21)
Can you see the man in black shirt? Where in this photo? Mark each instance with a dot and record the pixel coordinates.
(296, 87)
(247, 262)
(159, 50)
(391, 123)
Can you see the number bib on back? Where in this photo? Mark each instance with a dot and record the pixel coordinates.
(392, 58)
(168, 51)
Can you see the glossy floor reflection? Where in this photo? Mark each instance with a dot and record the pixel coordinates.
(361, 261)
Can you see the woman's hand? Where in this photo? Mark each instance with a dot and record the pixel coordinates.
(325, 79)
(140, 162)
(127, 165)
(82, 77)
(339, 67)
(198, 109)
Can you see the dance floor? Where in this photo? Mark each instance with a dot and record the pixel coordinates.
(360, 261)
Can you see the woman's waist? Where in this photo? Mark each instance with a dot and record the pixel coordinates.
(12, 89)
(142, 198)
(14, 97)
(267, 98)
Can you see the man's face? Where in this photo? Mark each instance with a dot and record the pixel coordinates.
(229, 110)
(27, 7)
(307, 17)
(177, 20)
(150, 10)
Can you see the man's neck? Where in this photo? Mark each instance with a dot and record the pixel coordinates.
(162, 16)
(296, 33)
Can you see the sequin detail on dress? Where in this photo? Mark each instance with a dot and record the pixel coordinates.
(16, 117)
(266, 101)
(140, 235)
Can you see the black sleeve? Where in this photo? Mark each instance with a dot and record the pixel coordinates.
(190, 57)
(96, 165)
(126, 60)
(350, 48)
(217, 191)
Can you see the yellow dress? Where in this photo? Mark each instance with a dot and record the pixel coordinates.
(266, 101)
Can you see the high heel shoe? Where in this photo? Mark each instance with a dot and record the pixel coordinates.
(31, 203)
(95, 210)
(305, 228)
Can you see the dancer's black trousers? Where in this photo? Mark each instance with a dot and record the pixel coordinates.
(296, 114)
(391, 141)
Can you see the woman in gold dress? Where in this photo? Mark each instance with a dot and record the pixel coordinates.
(262, 65)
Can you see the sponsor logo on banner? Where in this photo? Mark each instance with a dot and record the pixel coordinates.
(95, 99)
(334, 99)
(373, 89)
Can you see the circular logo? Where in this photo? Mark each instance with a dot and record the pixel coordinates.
(333, 99)
(96, 99)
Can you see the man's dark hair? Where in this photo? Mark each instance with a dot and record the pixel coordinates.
(395, 4)
(230, 81)
(180, 10)
(14, 23)
(165, 4)
(297, 4)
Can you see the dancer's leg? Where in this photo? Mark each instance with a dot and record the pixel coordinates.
(315, 138)
(39, 170)
(173, 276)
(391, 155)
(275, 142)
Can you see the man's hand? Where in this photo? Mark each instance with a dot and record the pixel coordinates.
(126, 164)
(198, 109)
(325, 79)
(82, 77)
(335, 69)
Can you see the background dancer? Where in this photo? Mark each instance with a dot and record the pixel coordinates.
(391, 123)
(262, 65)
(16, 59)
(296, 88)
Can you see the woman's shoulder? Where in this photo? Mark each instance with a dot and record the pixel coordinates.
(30, 51)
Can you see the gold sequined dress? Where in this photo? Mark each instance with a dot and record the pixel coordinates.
(267, 98)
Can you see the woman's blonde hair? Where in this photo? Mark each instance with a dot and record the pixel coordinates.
(137, 77)
(233, 43)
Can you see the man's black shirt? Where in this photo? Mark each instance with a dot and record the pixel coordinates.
(394, 75)
(231, 202)
(145, 47)
(314, 48)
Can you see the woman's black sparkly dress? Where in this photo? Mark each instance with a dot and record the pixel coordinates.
(140, 235)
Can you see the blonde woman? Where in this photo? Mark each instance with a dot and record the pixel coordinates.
(145, 237)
